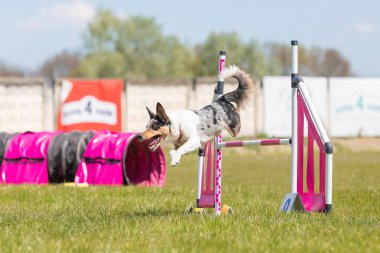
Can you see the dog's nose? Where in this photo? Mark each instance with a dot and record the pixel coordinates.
(140, 137)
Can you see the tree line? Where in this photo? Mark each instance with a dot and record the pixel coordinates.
(136, 47)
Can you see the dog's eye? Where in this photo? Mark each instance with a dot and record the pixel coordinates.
(151, 124)
(155, 126)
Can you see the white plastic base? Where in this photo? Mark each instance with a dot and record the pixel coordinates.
(292, 202)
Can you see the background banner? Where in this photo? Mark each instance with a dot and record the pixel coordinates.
(90, 105)
(355, 106)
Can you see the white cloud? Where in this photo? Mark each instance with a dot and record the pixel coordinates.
(121, 14)
(364, 27)
(61, 15)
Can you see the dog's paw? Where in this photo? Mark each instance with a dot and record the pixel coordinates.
(174, 157)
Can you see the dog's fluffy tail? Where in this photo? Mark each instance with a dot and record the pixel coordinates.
(241, 95)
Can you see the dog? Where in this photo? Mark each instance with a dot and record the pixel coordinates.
(192, 129)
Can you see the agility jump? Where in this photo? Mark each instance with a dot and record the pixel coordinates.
(209, 191)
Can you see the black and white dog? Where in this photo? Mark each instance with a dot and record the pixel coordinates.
(190, 129)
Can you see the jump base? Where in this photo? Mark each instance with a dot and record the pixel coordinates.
(292, 202)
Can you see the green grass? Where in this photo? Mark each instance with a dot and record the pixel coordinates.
(55, 218)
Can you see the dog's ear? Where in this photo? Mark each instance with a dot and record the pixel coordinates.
(161, 114)
(151, 114)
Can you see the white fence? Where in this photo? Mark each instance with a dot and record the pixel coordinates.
(175, 95)
(355, 106)
(347, 106)
(171, 94)
(25, 105)
(277, 103)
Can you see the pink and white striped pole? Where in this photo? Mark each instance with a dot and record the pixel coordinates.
(218, 176)
(267, 142)
(218, 157)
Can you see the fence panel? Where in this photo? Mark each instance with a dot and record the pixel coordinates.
(26, 104)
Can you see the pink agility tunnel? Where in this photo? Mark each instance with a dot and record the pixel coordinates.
(25, 159)
(120, 158)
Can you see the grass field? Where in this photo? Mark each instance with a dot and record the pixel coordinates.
(132, 219)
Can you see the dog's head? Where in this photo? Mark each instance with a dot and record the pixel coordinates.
(157, 128)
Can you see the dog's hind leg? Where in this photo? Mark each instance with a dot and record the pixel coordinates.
(233, 131)
(232, 125)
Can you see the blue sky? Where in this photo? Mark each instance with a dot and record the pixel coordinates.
(36, 29)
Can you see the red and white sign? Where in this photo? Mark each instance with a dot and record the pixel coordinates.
(90, 105)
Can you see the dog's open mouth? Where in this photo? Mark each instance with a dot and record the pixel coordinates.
(154, 142)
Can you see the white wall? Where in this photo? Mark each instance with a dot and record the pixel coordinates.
(173, 95)
(203, 96)
(347, 106)
(355, 106)
(25, 105)
(277, 103)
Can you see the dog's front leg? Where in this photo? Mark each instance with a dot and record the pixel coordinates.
(192, 144)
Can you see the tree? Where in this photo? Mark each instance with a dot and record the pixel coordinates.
(60, 65)
(314, 61)
(134, 47)
(333, 64)
(9, 70)
(279, 56)
(253, 61)
(101, 65)
(248, 56)
(315, 56)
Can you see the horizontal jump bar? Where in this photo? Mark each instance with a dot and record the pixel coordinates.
(267, 142)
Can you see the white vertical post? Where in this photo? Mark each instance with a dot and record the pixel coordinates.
(329, 165)
(218, 92)
(201, 155)
(218, 162)
(294, 83)
(294, 44)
